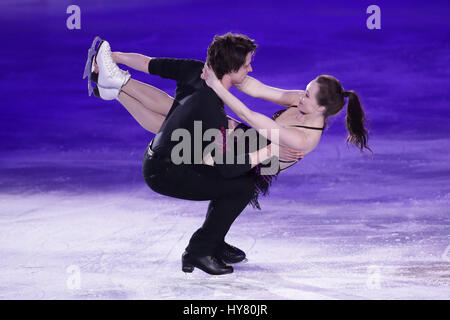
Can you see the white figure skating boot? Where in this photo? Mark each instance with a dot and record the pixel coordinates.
(110, 78)
(110, 75)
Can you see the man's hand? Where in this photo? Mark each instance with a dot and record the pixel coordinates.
(296, 97)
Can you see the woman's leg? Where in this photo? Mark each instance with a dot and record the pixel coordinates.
(152, 98)
(149, 120)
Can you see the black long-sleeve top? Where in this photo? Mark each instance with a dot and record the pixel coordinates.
(194, 101)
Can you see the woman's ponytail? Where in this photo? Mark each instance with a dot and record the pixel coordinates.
(332, 96)
(355, 122)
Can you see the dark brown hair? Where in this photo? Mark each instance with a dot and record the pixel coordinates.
(227, 53)
(331, 95)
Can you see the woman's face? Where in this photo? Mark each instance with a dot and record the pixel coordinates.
(308, 102)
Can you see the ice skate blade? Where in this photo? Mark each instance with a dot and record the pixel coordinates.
(90, 59)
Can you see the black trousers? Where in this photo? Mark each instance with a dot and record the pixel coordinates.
(228, 197)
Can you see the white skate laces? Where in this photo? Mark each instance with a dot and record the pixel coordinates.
(113, 70)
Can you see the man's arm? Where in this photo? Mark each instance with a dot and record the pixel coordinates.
(258, 156)
(239, 164)
(257, 89)
(169, 68)
(180, 70)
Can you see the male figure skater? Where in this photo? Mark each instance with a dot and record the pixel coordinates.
(228, 187)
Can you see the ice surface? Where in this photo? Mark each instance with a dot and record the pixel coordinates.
(321, 238)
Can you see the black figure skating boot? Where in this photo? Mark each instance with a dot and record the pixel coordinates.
(230, 254)
(209, 264)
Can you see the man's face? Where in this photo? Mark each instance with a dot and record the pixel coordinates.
(239, 76)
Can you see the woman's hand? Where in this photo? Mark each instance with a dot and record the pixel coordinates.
(210, 77)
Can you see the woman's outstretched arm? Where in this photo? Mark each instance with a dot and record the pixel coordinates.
(257, 89)
(288, 137)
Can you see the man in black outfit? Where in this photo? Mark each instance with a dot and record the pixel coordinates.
(229, 187)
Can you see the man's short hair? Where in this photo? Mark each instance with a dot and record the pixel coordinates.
(227, 52)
